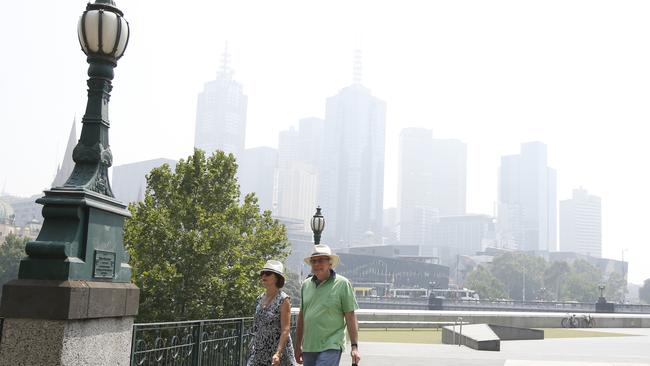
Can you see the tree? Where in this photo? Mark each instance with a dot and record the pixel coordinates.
(644, 291)
(485, 284)
(582, 282)
(195, 251)
(615, 288)
(517, 270)
(554, 279)
(11, 252)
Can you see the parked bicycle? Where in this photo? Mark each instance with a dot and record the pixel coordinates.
(573, 321)
(588, 321)
(570, 321)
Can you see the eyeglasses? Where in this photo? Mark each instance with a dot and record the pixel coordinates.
(265, 273)
(319, 260)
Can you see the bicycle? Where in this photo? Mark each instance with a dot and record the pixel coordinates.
(570, 321)
(588, 321)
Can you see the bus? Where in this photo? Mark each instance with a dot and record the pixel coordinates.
(454, 294)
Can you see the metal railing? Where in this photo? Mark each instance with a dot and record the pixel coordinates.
(222, 342)
(497, 305)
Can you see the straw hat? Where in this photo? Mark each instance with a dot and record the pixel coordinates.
(273, 266)
(322, 250)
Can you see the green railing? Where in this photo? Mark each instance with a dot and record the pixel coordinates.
(222, 342)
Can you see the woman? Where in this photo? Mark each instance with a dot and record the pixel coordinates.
(271, 343)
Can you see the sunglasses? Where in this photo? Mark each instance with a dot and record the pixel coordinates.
(265, 273)
(319, 260)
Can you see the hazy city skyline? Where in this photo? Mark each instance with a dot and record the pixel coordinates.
(572, 74)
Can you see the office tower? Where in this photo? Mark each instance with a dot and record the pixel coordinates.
(256, 174)
(296, 178)
(527, 208)
(129, 181)
(580, 224)
(221, 114)
(65, 169)
(432, 182)
(352, 175)
(459, 235)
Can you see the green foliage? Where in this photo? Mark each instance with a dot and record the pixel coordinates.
(555, 281)
(555, 277)
(644, 291)
(195, 251)
(517, 269)
(485, 284)
(615, 288)
(292, 286)
(11, 252)
(582, 282)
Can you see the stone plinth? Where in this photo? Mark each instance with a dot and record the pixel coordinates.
(105, 341)
(67, 323)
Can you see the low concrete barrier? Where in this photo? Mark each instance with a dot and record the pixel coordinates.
(487, 337)
(476, 336)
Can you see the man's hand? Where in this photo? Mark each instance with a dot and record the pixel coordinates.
(275, 361)
(298, 354)
(355, 355)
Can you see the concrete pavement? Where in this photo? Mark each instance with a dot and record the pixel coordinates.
(591, 351)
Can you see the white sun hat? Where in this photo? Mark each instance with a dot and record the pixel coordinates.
(273, 266)
(322, 250)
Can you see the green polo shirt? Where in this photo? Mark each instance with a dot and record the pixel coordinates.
(323, 309)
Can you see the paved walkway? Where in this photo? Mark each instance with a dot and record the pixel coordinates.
(594, 351)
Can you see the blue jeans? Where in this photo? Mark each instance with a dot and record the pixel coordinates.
(331, 357)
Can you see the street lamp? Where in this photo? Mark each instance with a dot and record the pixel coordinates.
(317, 225)
(76, 274)
(82, 235)
(601, 287)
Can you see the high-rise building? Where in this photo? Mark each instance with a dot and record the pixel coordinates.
(459, 235)
(527, 208)
(296, 187)
(432, 182)
(580, 224)
(129, 181)
(256, 174)
(352, 175)
(221, 114)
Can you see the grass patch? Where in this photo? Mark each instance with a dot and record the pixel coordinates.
(397, 335)
(576, 333)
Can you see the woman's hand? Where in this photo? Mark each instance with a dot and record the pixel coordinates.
(275, 361)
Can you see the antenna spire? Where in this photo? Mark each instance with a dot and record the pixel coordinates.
(357, 67)
(226, 71)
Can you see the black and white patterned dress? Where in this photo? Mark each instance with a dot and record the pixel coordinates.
(266, 329)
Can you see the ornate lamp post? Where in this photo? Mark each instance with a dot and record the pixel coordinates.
(75, 280)
(317, 225)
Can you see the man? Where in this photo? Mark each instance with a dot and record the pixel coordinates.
(327, 307)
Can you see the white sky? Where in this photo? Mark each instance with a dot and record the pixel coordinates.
(494, 74)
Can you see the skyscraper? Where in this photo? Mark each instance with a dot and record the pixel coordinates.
(527, 208)
(432, 182)
(352, 174)
(129, 181)
(221, 114)
(580, 224)
(256, 174)
(297, 178)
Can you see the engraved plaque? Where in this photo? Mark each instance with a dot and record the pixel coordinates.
(104, 264)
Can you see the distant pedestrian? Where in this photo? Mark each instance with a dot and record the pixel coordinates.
(326, 309)
(271, 343)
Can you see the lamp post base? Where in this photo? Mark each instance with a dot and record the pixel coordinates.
(67, 323)
(102, 342)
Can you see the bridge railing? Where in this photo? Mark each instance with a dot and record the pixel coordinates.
(498, 305)
(223, 342)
